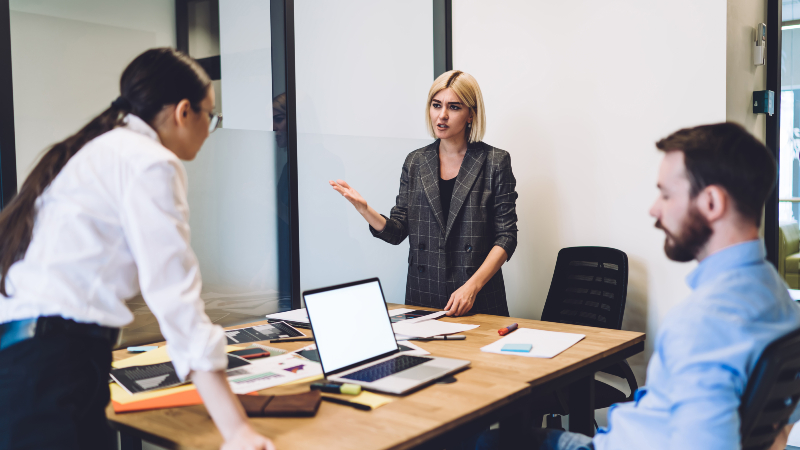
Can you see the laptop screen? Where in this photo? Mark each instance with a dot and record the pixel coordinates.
(350, 324)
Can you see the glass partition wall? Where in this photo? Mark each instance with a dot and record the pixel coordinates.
(263, 216)
(363, 72)
(239, 195)
(67, 57)
(789, 145)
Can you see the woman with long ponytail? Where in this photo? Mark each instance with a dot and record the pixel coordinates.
(102, 217)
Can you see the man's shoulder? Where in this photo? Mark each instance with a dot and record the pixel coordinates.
(749, 304)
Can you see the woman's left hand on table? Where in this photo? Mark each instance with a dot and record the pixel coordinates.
(462, 299)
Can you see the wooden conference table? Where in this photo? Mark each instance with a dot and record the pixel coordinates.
(496, 388)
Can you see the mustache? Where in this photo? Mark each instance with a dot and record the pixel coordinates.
(660, 226)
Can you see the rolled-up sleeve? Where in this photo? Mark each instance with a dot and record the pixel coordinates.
(505, 206)
(155, 220)
(396, 229)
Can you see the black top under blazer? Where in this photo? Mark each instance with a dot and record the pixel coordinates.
(483, 214)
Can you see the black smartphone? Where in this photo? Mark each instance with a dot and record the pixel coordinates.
(250, 353)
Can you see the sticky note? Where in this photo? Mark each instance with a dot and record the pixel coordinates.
(522, 348)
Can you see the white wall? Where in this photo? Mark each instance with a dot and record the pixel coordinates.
(363, 72)
(579, 103)
(67, 59)
(743, 77)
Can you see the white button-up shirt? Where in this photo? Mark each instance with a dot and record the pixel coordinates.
(114, 223)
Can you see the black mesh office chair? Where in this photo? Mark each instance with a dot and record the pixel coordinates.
(772, 393)
(589, 287)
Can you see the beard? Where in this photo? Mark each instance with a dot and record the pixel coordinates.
(694, 233)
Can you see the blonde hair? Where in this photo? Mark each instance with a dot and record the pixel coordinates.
(466, 88)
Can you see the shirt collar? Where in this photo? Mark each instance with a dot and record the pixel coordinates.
(729, 258)
(136, 124)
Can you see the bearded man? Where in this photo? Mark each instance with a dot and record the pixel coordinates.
(712, 183)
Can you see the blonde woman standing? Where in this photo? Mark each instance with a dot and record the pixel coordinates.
(457, 206)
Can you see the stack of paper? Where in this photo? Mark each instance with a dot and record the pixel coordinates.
(546, 344)
(123, 401)
(295, 315)
(429, 328)
(413, 315)
(265, 332)
(186, 395)
(270, 372)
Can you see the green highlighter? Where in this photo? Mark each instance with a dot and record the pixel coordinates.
(521, 348)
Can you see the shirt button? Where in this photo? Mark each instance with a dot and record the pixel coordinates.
(421, 246)
(467, 248)
(421, 269)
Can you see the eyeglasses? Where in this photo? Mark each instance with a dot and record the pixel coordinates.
(214, 122)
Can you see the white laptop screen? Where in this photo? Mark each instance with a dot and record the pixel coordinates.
(350, 325)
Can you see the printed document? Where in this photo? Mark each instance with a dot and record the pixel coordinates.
(546, 344)
(430, 328)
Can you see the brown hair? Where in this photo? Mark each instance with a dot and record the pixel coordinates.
(726, 155)
(157, 77)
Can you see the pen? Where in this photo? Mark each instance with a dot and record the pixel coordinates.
(144, 348)
(336, 388)
(457, 337)
(508, 329)
(292, 340)
(346, 402)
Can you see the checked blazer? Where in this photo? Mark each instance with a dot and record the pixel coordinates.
(443, 256)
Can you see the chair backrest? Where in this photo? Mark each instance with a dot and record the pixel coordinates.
(789, 234)
(589, 287)
(772, 393)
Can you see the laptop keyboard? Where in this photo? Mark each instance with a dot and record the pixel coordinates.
(386, 368)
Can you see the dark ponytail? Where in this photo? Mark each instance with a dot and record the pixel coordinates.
(157, 77)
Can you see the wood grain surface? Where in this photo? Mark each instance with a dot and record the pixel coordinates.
(492, 382)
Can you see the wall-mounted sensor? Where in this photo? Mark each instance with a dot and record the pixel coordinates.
(764, 102)
(760, 44)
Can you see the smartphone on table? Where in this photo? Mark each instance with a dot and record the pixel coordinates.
(250, 353)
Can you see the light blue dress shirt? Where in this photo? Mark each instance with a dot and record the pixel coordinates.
(704, 355)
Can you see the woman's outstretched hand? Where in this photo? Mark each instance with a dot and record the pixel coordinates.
(350, 194)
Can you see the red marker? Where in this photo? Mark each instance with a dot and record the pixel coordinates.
(508, 329)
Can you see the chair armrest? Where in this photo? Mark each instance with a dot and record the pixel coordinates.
(623, 370)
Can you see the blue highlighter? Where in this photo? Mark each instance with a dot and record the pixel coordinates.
(520, 348)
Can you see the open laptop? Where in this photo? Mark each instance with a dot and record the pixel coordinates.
(356, 342)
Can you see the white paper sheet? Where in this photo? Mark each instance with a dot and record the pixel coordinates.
(295, 315)
(795, 294)
(397, 312)
(269, 372)
(794, 437)
(546, 344)
(430, 328)
(435, 315)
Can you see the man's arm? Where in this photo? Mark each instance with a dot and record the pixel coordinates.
(704, 356)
